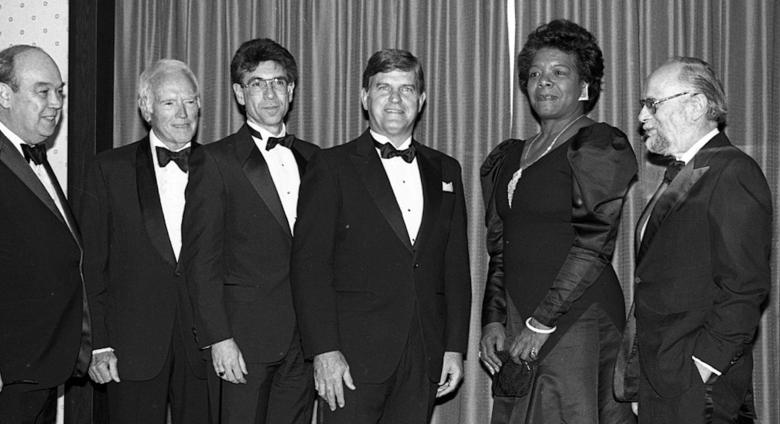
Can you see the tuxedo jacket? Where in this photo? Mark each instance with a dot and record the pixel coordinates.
(702, 276)
(236, 247)
(135, 289)
(41, 290)
(358, 282)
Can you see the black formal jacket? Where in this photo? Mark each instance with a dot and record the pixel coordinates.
(703, 275)
(236, 247)
(134, 287)
(41, 291)
(358, 282)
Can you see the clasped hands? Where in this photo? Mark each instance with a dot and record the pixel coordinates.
(525, 346)
(331, 374)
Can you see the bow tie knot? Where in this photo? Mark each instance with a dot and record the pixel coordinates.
(286, 141)
(34, 152)
(387, 151)
(672, 169)
(181, 158)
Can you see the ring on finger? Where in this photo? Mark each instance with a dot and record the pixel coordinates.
(533, 353)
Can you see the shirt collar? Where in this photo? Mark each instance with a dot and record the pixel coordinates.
(156, 142)
(383, 140)
(687, 156)
(13, 138)
(265, 133)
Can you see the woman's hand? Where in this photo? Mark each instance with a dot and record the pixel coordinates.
(527, 345)
(493, 337)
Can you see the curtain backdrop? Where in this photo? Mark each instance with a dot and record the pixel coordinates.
(468, 53)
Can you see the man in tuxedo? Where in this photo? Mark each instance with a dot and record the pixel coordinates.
(380, 261)
(238, 228)
(145, 348)
(702, 262)
(44, 319)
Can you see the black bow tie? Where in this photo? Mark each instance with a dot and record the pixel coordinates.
(181, 158)
(34, 152)
(672, 169)
(387, 151)
(286, 141)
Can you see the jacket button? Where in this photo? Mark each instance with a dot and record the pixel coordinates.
(416, 266)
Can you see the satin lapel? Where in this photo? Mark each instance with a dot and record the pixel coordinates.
(16, 163)
(299, 159)
(373, 175)
(256, 170)
(674, 195)
(430, 174)
(149, 201)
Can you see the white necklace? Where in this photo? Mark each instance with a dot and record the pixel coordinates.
(519, 173)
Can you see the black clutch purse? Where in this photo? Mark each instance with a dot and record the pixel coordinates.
(513, 380)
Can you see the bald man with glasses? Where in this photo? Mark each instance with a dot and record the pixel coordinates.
(702, 259)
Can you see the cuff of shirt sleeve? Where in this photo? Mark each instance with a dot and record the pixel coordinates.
(101, 350)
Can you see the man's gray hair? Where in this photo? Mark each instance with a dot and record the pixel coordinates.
(701, 77)
(146, 82)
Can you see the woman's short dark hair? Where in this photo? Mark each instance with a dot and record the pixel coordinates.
(252, 52)
(387, 60)
(572, 39)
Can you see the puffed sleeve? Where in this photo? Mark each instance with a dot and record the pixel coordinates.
(494, 302)
(603, 166)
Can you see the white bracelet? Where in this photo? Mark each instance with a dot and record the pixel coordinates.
(538, 330)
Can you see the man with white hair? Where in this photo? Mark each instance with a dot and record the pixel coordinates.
(144, 336)
(702, 258)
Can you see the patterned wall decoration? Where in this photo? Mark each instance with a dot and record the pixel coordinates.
(42, 23)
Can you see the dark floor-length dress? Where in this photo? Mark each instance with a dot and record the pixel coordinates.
(550, 254)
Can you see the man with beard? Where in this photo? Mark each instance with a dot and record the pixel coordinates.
(132, 208)
(702, 259)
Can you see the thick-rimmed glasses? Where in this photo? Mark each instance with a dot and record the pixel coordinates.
(259, 85)
(652, 104)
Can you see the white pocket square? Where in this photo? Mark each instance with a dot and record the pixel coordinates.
(446, 186)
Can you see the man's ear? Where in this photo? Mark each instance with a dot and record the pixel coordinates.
(238, 91)
(698, 106)
(290, 91)
(364, 98)
(6, 93)
(421, 102)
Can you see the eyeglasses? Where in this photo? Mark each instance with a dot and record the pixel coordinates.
(259, 85)
(652, 104)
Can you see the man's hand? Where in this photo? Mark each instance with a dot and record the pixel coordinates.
(228, 361)
(493, 337)
(330, 369)
(451, 373)
(103, 368)
(635, 408)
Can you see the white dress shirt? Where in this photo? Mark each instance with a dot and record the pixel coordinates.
(284, 172)
(39, 170)
(407, 185)
(171, 182)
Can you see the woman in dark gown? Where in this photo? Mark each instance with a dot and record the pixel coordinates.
(553, 205)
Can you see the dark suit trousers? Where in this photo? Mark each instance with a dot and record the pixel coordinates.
(35, 407)
(729, 394)
(275, 393)
(146, 402)
(407, 397)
